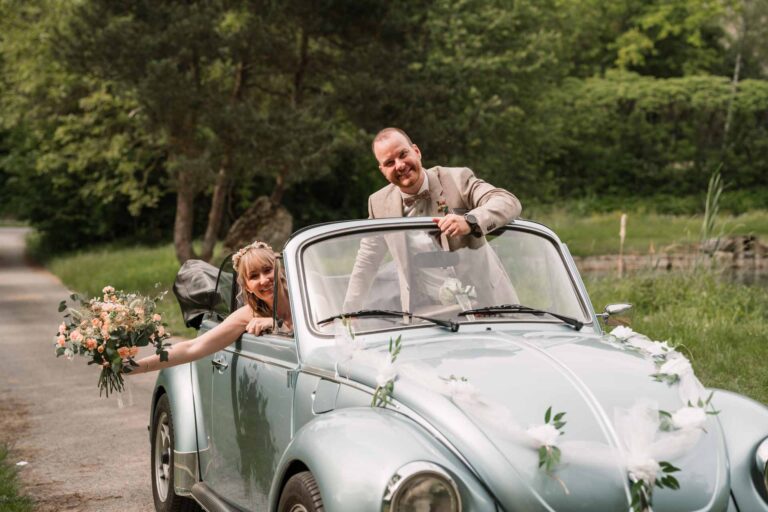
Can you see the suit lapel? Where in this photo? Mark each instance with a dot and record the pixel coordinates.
(435, 192)
(393, 203)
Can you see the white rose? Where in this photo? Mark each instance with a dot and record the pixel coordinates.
(689, 417)
(386, 373)
(642, 467)
(622, 332)
(677, 365)
(543, 435)
(448, 290)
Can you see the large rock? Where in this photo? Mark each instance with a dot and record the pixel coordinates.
(263, 221)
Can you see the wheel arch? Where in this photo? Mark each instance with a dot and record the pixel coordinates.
(352, 453)
(744, 424)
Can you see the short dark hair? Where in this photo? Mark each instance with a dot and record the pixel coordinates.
(386, 132)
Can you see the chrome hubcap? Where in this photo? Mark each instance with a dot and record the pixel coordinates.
(161, 458)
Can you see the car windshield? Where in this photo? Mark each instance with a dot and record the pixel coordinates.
(416, 270)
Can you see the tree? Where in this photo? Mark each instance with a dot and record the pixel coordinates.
(223, 85)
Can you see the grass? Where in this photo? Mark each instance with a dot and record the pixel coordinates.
(10, 500)
(722, 326)
(9, 222)
(596, 234)
(133, 269)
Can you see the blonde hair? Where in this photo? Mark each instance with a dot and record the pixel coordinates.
(256, 255)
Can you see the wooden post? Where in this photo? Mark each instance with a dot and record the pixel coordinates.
(622, 236)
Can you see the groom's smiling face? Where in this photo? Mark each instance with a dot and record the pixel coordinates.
(400, 162)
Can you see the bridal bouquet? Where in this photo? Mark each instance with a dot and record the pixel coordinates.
(109, 330)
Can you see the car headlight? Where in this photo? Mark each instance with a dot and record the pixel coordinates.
(421, 487)
(762, 462)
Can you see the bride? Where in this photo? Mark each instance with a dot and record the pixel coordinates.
(255, 265)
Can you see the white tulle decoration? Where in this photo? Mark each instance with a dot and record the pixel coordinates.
(543, 435)
(689, 418)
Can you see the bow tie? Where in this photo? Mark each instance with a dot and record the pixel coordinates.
(409, 201)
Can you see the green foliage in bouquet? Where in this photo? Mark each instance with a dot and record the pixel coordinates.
(110, 330)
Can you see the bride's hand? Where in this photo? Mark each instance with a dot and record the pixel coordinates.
(259, 325)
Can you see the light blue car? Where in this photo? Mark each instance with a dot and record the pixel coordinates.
(493, 333)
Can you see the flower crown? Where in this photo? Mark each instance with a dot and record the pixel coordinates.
(255, 245)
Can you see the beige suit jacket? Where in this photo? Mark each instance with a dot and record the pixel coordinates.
(461, 192)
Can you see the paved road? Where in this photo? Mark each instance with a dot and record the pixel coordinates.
(84, 452)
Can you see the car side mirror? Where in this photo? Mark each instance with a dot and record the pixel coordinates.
(617, 314)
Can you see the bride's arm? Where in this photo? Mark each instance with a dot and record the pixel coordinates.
(212, 341)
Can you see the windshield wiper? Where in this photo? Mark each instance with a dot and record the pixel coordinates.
(519, 308)
(453, 326)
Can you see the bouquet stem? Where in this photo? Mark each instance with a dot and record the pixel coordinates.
(110, 381)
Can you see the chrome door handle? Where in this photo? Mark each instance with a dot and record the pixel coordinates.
(220, 364)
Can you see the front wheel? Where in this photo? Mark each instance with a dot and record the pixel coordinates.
(163, 491)
(301, 494)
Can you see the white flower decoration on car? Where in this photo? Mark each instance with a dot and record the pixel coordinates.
(451, 288)
(386, 372)
(689, 418)
(543, 435)
(622, 332)
(642, 467)
(676, 365)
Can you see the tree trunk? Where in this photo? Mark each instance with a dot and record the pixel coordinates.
(182, 227)
(277, 193)
(216, 214)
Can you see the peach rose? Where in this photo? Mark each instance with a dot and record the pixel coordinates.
(95, 322)
(61, 340)
(100, 349)
(62, 328)
(90, 343)
(155, 318)
(108, 289)
(76, 336)
(123, 351)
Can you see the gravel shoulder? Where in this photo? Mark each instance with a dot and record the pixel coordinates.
(84, 452)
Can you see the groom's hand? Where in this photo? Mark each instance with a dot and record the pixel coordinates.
(452, 225)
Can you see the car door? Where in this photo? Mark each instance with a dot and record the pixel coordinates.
(250, 417)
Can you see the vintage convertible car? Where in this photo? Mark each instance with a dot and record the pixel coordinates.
(496, 337)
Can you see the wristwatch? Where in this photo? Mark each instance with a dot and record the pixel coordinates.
(474, 226)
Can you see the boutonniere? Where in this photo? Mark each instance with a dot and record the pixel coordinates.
(442, 206)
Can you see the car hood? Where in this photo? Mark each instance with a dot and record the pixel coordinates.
(515, 379)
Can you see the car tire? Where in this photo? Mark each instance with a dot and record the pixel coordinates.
(301, 494)
(162, 437)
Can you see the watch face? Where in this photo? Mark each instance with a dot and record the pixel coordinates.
(470, 219)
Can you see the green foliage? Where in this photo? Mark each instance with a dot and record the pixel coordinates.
(10, 498)
(630, 135)
(109, 111)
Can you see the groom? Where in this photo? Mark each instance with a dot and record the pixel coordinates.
(465, 209)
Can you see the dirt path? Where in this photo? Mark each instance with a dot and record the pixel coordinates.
(83, 452)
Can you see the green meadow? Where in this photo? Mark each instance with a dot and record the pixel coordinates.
(595, 234)
(721, 325)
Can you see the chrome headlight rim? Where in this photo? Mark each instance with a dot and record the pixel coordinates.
(397, 483)
(761, 459)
